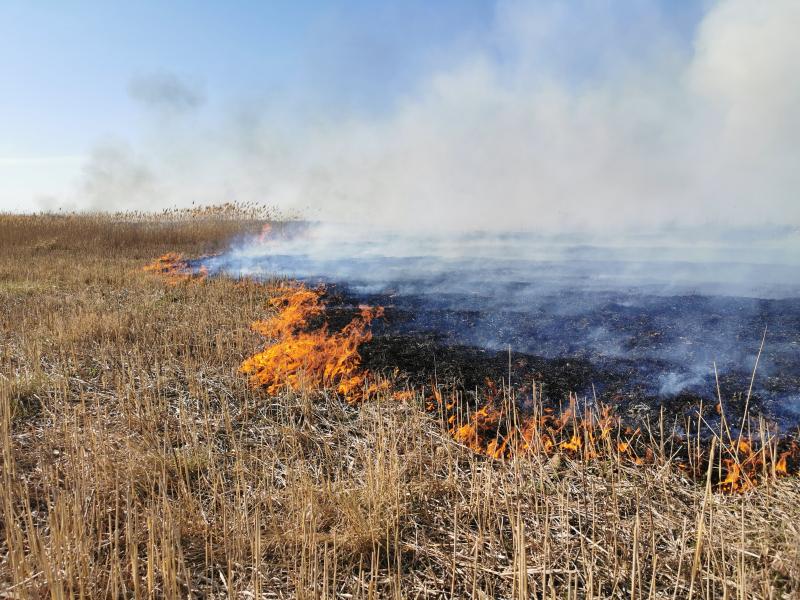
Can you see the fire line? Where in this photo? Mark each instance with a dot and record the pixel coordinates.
(302, 353)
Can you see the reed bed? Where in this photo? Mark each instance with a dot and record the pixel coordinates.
(138, 462)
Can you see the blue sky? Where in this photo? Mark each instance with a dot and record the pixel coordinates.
(66, 66)
(569, 111)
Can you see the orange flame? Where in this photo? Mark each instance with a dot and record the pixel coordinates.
(300, 357)
(481, 433)
(781, 467)
(750, 464)
(737, 478)
(496, 431)
(573, 445)
(174, 268)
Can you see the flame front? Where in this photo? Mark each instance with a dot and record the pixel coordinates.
(496, 429)
(302, 353)
(300, 356)
(174, 268)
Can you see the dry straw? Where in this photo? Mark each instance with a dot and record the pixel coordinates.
(136, 461)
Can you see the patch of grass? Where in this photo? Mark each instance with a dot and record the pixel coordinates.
(24, 394)
(20, 287)
(145, 466)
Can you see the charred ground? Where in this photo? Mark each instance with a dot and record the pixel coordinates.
(637, 352)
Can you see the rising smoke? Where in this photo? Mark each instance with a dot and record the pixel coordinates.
(634, 186)
(652, 317)
(565, 117)
(166, 92)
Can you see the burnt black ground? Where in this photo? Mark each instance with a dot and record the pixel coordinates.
(638, 352)
(640, 323)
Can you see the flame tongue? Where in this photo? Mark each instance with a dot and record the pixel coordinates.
(499, 431)
(300, 357)
(174, 268)
(294, 308)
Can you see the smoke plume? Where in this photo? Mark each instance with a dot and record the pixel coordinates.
(578, 117)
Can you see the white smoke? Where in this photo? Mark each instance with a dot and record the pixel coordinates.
(567, 117)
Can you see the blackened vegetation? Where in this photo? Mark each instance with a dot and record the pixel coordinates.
(644, 401)
(640, 354)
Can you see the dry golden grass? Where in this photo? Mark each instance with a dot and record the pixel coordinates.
(137, 462)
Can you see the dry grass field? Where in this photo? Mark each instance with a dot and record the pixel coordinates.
(137, 462)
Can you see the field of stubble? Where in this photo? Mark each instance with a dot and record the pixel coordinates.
(137, 462)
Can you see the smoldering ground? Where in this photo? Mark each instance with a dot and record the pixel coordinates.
(639, 321)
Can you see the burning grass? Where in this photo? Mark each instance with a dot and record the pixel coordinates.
(137, 461)
(297, 358)
(174, 268)
(729, 464)
(300, 356)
